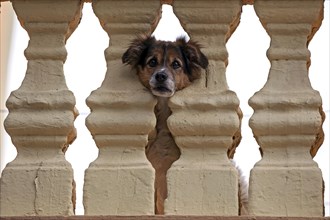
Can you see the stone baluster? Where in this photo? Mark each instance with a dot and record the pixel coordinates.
(205, 120)
(41, 114)
(288, 116)
(121, 180)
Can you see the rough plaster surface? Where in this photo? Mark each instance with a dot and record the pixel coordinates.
(41, 114)
(288, 117)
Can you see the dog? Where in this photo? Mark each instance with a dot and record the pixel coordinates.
(164, 68)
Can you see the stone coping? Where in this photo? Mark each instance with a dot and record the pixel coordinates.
(160, 217)
(165, 1)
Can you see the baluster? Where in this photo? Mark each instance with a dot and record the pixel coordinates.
(288, 116)
(121, 180)
(41, 114)
(205, 119)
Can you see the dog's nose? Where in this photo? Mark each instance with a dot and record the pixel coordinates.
(161, 77)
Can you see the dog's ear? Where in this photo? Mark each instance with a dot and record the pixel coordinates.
(137, 51)
(194, 58)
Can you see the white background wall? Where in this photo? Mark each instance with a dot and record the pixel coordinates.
(85, 69)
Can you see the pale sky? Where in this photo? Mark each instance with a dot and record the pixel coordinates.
(247, 72)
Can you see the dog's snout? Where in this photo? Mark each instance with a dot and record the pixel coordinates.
(162, 84)
(161, 77)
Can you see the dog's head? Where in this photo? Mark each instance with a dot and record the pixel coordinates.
(165, 67)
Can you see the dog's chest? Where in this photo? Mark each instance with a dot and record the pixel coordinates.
(162, 151)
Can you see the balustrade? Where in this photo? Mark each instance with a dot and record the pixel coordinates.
(205, 120)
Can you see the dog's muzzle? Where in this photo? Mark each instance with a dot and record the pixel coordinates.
(162, 84)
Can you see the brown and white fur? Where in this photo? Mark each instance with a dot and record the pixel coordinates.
(164, 68)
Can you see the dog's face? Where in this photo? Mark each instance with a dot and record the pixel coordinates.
(165, 67)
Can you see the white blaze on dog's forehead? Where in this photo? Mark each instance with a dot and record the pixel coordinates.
(169, 27)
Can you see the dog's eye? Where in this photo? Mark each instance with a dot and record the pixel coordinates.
(176, 65)
(152, 62)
